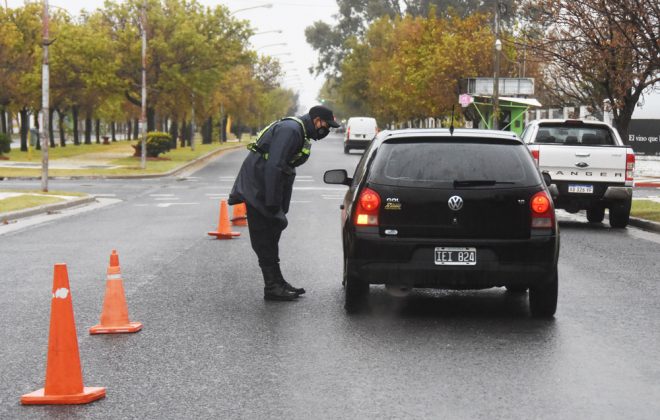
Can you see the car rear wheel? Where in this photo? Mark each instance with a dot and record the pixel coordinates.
(596, 214)
(620, 215)
(543, 297)
(355, 291)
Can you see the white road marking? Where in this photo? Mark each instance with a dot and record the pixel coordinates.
(175, 204)
(166, 198)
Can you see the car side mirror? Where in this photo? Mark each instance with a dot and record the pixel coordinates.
(337, 176)
(547, 178)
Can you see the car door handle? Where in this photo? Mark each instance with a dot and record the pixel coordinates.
(582, 154)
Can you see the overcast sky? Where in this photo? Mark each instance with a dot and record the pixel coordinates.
(289, 16)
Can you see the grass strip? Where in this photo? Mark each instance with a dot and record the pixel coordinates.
(646, 209)
(118, 156)
(26, 201)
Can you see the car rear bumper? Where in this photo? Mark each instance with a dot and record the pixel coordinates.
(499, 263)
(357, 144)
(603, 195)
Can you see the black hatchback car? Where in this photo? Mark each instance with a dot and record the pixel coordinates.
(430, 209)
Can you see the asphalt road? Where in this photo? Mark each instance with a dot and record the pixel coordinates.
(212, 348)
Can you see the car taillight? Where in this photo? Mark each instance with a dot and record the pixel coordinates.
(543, 215)
(366, 213)
(348, 133)
(535, 154)
(630, 166)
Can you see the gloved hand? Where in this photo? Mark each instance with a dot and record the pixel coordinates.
(273, 209)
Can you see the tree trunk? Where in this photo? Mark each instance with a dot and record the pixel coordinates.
(35, 117)
(129, 126)
(174, 132)
(10, 125)
(51, 128)
(97, 127)
(223, 130)
(25, 128)
(76, 134)
(60, 119)
(207, 131)
(151, 119)
(136, 129)
(88, 129)
(3, 117)
(184, 133)
(113, 131)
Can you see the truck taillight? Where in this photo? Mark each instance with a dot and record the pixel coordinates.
(535, 154)
(543, 215)
(630, 166)
(366, 213)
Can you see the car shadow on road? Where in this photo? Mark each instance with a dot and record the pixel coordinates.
(427, 303)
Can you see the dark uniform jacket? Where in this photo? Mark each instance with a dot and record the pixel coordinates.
(267, 185)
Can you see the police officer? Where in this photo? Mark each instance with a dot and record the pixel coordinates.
(265, 184)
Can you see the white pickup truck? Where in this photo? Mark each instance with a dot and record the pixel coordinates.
(589, 164)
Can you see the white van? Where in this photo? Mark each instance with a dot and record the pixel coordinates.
(359, 132)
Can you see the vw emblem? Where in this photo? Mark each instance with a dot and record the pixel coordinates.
(455, 203)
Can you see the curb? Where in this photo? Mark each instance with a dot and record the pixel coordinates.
(202, 160)
(645, 224)
(46, 208)
(655, 184)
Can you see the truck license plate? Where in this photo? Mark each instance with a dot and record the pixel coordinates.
(455, 256)
(581, 188)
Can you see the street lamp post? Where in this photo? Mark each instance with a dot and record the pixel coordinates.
(45, 100)
(271, 45)
(496, 86)
(266, 6)
(496, 79)
(143, 116)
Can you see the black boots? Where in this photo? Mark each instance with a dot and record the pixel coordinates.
(287, 286)
(274, 288)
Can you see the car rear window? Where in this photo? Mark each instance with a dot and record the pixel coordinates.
(432, 163)
(582, 135)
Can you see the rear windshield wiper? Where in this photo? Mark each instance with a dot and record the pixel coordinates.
(478, 182)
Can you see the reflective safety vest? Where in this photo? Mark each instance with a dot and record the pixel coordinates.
(300, 158)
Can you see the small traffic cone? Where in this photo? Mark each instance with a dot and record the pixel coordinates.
(114, 317)
(64, 383)
(239, 215)
(224, 230)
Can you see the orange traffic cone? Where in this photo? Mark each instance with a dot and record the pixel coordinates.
(64, 383)
(114, 317)
(224, 231)
(239, 215)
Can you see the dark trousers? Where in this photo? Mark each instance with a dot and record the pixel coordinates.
(265, 235)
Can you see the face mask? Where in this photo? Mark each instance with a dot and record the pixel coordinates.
(321, 132)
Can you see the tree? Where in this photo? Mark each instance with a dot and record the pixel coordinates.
(355, 16)
(595, 51)
(409, 67)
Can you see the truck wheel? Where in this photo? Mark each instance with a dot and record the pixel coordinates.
(620, 215)
(356, 292)
(596, 214)
(543, 297)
